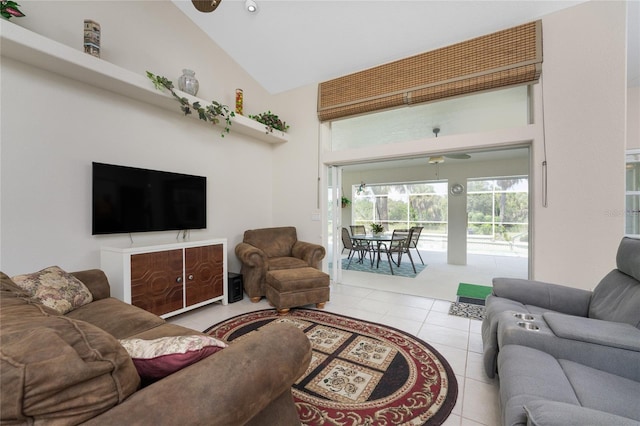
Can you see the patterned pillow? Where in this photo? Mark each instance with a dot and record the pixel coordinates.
(55, 288)
(157, 358)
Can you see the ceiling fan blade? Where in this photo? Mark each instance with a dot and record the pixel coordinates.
(458, 156)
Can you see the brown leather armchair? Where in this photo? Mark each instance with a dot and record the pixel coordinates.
(270, 249)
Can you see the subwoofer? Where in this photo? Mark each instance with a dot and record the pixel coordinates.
(234, 287)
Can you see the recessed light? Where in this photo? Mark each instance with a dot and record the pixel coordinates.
(251, 6)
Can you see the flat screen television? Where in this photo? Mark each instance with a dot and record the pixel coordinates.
(129, 199)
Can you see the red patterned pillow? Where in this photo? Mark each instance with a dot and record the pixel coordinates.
(157, 358)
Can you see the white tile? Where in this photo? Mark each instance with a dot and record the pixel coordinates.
(374, 306)
(408, 312)
(457, 409)
(475, 368)
(446, 320)
(457, 358)
(406, 325)
(475, 326)
(444, 335)
(480, 402)
(468, 422)
(441, 306)
(475, 342)
(452, 420)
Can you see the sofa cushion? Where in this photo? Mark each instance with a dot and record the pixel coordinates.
(55, 288)
(157, 358)
(56, 369)
(277, 263)
(616, 298)
(628, 257)
(552, 413)
(117, 318)
(275, 242)
(603, 391)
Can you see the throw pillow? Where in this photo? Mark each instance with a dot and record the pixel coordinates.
(157, 358)
(55, 288)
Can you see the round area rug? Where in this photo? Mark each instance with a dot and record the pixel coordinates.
(361, 373)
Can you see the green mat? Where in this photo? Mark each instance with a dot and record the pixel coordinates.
(470, 292)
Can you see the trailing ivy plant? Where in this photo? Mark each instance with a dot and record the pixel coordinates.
(207, 113)
(270, 120)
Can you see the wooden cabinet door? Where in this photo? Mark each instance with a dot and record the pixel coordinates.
(157, 281)
(204, 271)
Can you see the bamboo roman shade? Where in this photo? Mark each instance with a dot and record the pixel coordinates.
(505, 58)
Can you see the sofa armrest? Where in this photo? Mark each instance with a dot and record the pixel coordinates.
(251, 256)
(552, 413)
(96, 281)
(568, 300)
(589, 330)
(309, 252)
(227, 388)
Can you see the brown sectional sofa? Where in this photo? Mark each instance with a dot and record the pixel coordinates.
(71, 369)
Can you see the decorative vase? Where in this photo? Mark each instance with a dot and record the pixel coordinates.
(188, 82)
(92, 38)
(239, 101)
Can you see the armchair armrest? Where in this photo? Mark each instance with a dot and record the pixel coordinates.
(607, 333)
(309, 252)
(568, 300)
(251, 255)
(227, 388)
(96, 281)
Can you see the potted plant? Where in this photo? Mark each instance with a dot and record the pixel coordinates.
(345, 201)
(9, 9)
(270, 120)
(376, 228)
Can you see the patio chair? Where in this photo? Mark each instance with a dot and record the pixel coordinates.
(358, 230)
(413, 243)
(414, 240)
(398, 246)
(354, 247)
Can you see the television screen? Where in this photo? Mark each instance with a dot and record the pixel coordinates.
(128, 199)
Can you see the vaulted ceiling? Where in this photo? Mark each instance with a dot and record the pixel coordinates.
(292, 43)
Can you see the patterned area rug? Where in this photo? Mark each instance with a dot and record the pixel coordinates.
(361, 373)
(404, 270)
(467, 310)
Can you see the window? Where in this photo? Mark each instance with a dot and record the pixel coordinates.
(469, 114)
(403, 205)
(632, 194)
(498, 210)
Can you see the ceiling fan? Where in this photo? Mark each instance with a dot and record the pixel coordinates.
(440, 158)
(206, 5)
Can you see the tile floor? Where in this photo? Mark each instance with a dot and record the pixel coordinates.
(457, 339)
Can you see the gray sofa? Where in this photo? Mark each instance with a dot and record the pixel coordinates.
(565, 349)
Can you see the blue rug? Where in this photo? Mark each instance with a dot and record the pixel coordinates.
(405, 269)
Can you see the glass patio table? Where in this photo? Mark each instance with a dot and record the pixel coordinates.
(375, 241)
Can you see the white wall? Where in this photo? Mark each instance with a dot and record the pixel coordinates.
(53, 128)
(576, 236)
(633, 118)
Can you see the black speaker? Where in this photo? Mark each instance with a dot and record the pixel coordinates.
(234, 287)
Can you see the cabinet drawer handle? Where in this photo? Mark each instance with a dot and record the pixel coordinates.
(190, 277)
(179, 279)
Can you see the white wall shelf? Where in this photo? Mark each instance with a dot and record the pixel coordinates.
(36, 50)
